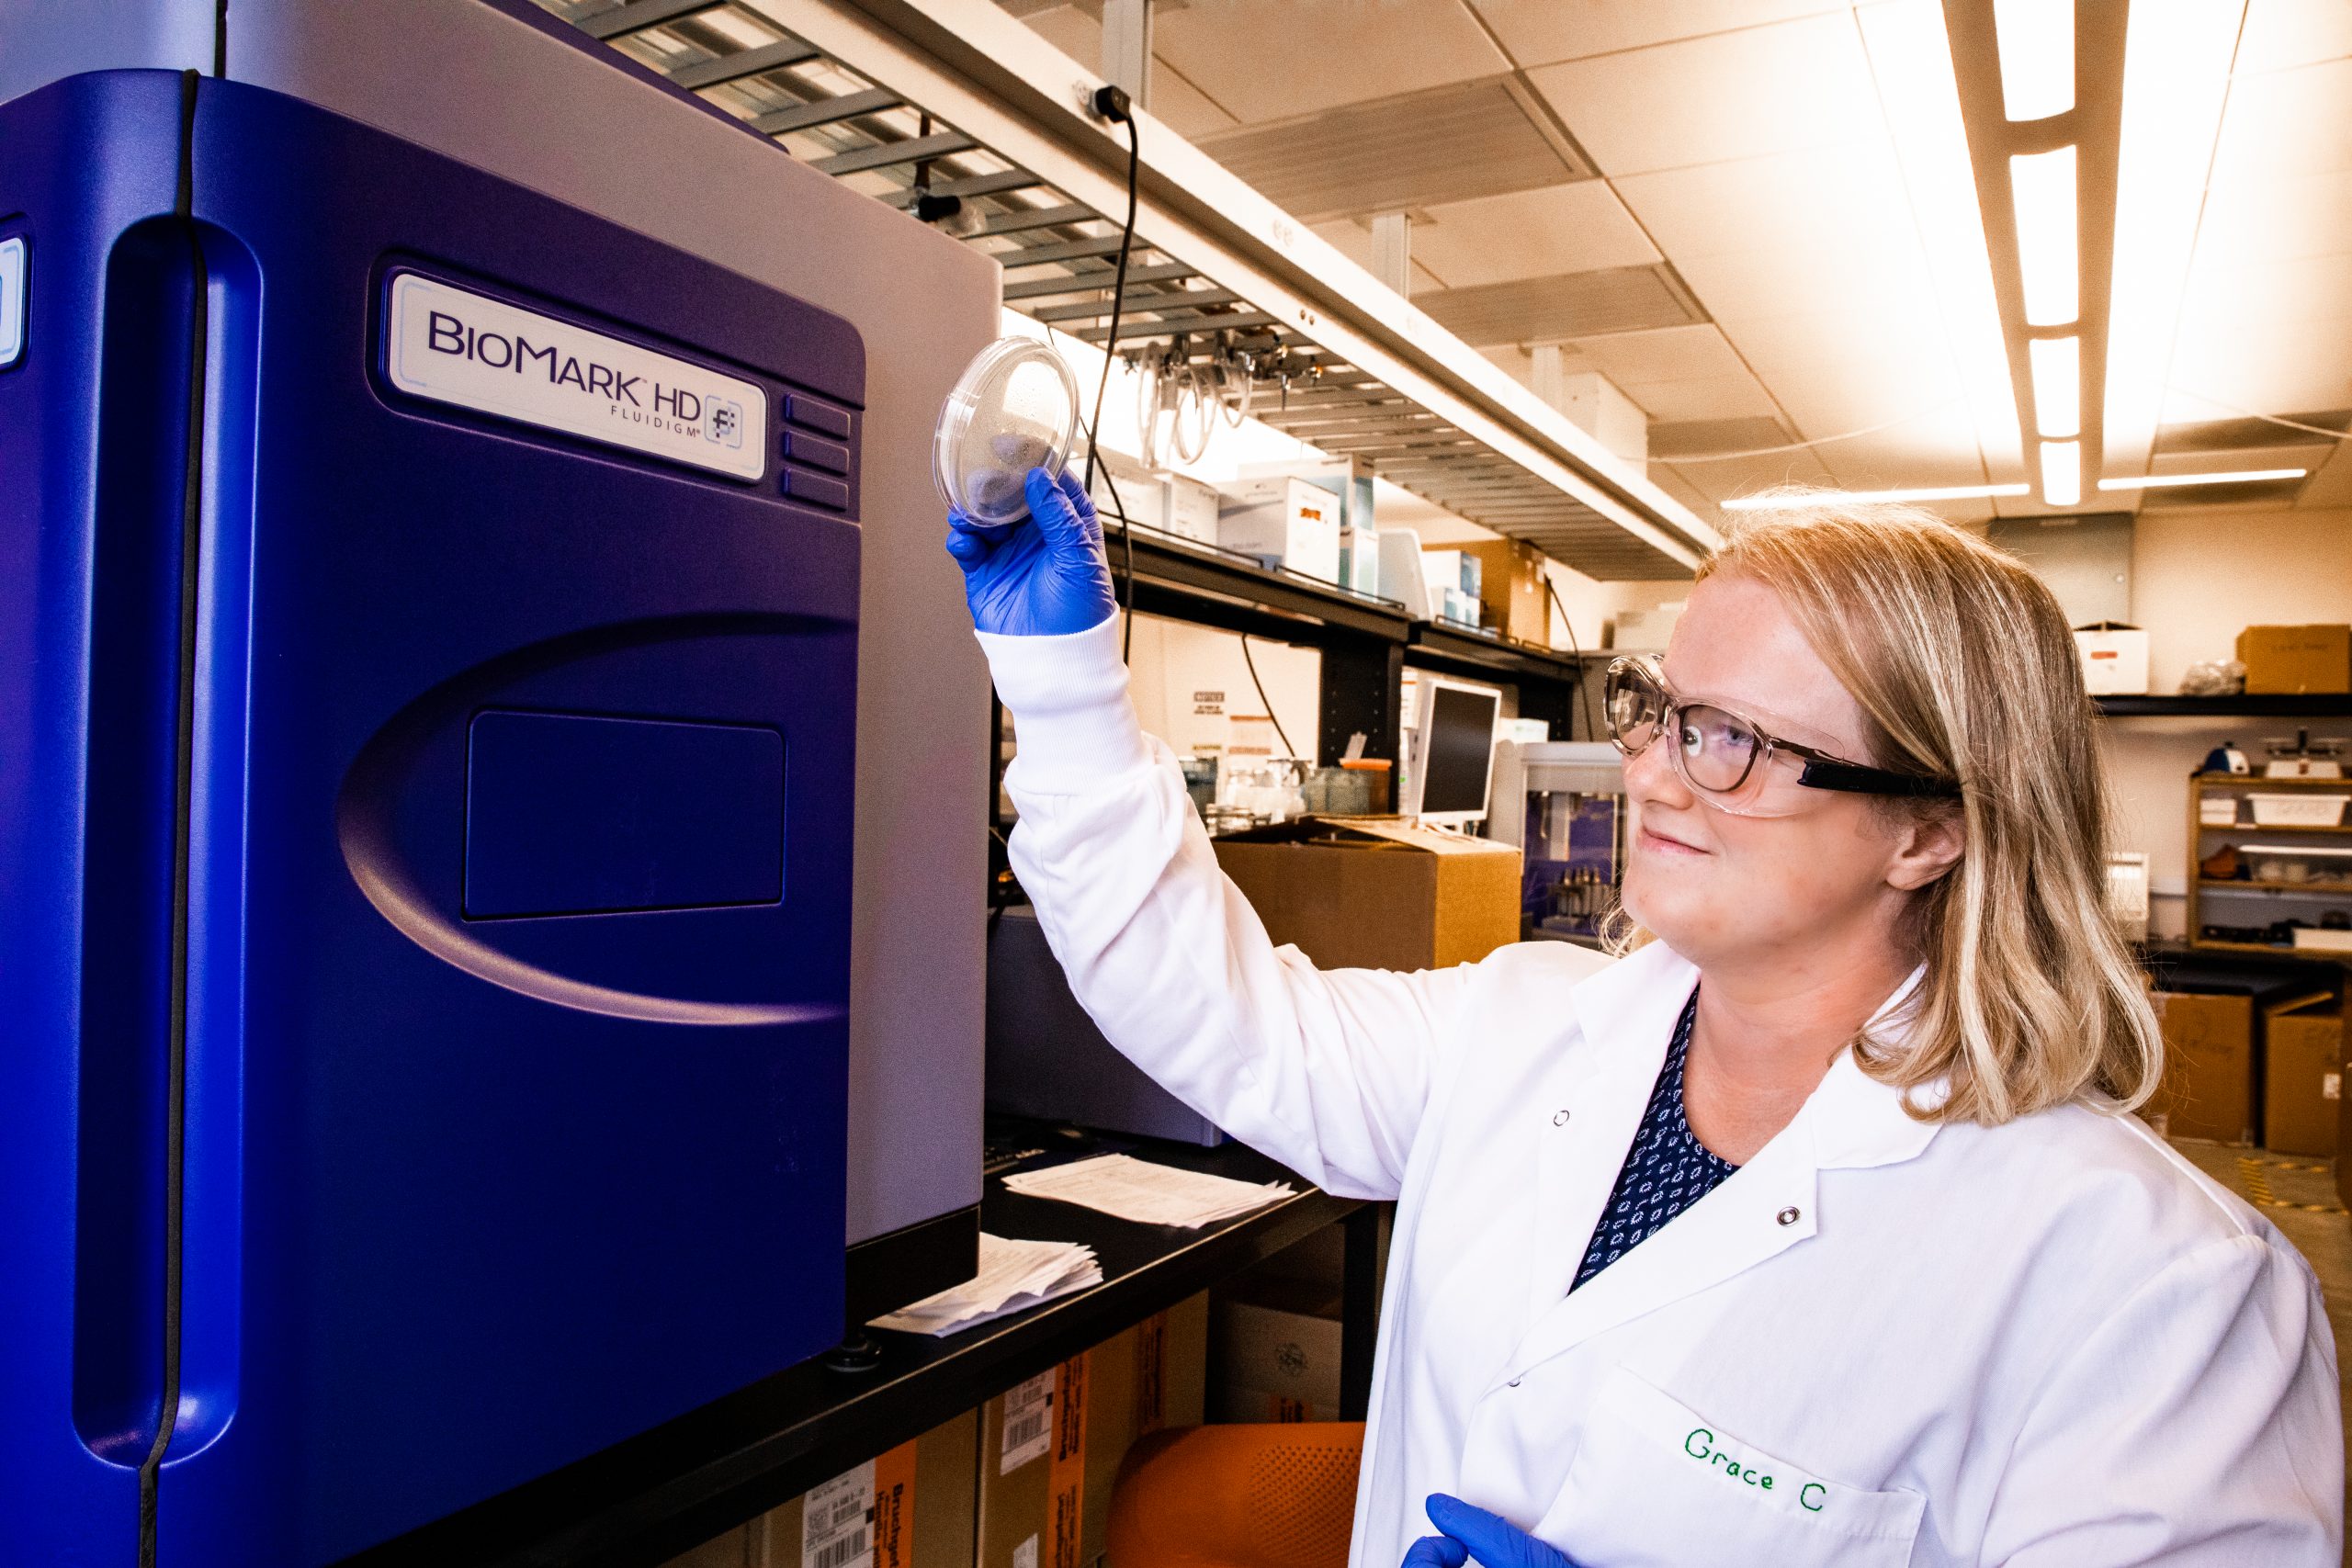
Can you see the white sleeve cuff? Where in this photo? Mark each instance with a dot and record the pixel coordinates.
(1067, 695)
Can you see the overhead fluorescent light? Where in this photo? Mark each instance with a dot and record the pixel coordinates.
(2037, 43)
(2237, 477)
(2177, 62)
(2057, 385)
(1834, 497)
(2042, 186)
(1911, 64)
(2062, 473)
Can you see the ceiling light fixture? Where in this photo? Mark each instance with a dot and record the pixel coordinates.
(2036, 38)
(1802, 500)
(2177, 65)
(2057, 385)
(2166, 482)
(2062, 473)
(2042, 186)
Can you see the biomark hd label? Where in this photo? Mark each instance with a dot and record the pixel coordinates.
(454, 345)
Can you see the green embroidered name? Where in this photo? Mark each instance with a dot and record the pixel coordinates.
(1701, 1445)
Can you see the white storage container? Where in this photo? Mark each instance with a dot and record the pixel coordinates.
(2299, 810)
(2323, 940)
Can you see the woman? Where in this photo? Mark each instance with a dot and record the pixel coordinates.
(1812, 1232)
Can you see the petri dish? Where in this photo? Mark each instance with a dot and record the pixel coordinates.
(1015, 409)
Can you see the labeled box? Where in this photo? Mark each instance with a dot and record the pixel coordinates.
(1050, 1448)
(1355, 893)
(2297, 659)
(2114, 657)
(2209, 1089)
(2302, 1077)
(912, 1507)
(1284, 522)
(1274, 1352)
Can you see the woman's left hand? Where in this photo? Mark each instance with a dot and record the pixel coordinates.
(1473, 1535)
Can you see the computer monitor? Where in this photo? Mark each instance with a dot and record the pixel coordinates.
(1455, 754)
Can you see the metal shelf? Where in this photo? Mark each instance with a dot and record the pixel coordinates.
(959, 98)
(2315, 704)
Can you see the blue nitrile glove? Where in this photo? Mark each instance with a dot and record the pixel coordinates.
(1474, 1535)
(1042, 576)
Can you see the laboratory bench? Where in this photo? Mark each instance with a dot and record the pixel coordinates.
(666, 1490)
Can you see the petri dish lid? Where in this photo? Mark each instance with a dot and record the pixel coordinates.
(1014, 410)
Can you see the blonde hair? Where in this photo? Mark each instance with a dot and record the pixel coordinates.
(1965, 668)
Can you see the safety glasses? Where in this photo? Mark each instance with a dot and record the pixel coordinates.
(1728, 762)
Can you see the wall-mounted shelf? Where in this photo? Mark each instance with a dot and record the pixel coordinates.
(2313, 704)
(1366, 642)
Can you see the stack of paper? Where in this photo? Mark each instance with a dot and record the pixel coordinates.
(1014, 1275)
(1153, 1194)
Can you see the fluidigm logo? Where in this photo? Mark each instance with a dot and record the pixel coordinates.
(457, 346)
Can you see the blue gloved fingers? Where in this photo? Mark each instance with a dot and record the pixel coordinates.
(1436, 1552)
(968, 547)
(1492, 1539)
(963, 522)
(1064, 516)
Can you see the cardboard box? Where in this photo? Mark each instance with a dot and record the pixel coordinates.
(2302, 1077)
(1050, 1448)
(1274, 1352)
(2209, 1089)
(1359, 893)
(1510, 577)
(912, 1507)
(2297, 659)
(1284, 522)
(2115, 659)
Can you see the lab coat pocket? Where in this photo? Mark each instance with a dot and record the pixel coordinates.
(1655, 1483)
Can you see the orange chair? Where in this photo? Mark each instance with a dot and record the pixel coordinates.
(1278, 1494)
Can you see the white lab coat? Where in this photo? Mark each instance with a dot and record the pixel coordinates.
(1880, 1342)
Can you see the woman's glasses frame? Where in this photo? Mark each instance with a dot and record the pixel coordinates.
(1821, 771)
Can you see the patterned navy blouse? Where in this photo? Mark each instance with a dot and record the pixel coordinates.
(1666, 1171)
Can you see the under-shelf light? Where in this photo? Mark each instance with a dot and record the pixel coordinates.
(2041, 187)
(1802, 500)
(2057, 385)
(2062, 473)
(2167, 481)
(2036, 38)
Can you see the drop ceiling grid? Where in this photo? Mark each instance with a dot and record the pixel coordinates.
(2265, 321)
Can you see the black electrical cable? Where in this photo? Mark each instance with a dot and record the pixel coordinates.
(1112, 104)
(1584, 696)
(1287, 749)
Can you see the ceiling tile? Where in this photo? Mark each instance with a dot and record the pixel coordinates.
(1814, 200)
(2284, 123)
(1570, 228)
(1446, 143)
(2304, 215)
(1182, 107)
(1540, 31)
(1938, 449)
(1624, 299)
(1765, 283)
(1273, 61)
(1682, 440)
(2332, 485)
(1671, 354)
(2279, 34)
(1720, 481)
(1706, 100)
(1706, 398)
